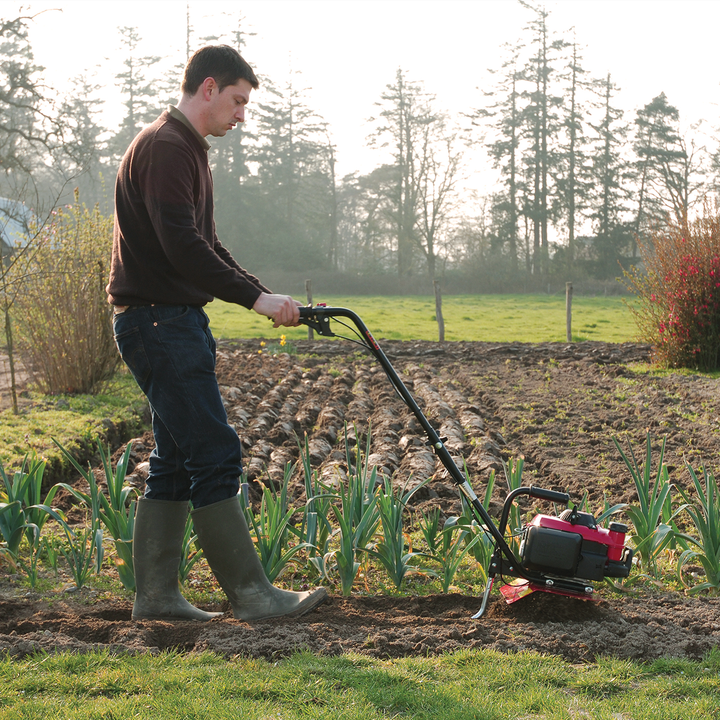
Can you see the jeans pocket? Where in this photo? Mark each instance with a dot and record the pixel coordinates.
(169, 314)
(132, 351)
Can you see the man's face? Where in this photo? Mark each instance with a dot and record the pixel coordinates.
(227, 108)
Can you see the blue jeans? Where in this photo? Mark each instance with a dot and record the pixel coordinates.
(171, 353)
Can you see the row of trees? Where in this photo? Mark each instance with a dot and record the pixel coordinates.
(571, 163)
(575, 181)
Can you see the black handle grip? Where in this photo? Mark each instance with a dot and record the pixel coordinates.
(551, 495)
(318, 317)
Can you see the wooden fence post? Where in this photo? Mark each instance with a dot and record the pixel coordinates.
(438, 311)
(308, 293)
(568, 310)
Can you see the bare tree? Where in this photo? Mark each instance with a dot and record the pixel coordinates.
(29, 136)
(405, 113)
(438, 163)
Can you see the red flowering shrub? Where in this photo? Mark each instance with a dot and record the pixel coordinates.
(679, 294)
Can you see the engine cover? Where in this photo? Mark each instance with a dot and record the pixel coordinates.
(543, 549)
(577, 549)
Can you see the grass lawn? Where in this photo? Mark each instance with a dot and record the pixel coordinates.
(472, 684)
(493, 318)
(75, 421)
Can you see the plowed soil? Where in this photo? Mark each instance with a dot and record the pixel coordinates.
(558, 406)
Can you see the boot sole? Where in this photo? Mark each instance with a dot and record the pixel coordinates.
(178, 618)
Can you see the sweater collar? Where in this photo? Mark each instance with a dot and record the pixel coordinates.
(178, 115)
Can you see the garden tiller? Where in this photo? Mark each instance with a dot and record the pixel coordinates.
(562, 555)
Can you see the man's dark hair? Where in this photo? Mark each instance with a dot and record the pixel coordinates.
(220, 62)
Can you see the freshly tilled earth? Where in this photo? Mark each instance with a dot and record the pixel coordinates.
(557, 406)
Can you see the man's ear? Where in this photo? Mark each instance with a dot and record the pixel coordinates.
(209, 88)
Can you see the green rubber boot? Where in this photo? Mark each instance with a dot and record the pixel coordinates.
(157, 544)
(224, 537)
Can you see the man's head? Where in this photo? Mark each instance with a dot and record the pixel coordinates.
(221, 62)
(216, 88)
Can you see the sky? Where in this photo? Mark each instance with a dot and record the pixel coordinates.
(348, 51)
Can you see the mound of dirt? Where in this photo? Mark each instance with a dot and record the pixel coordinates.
(383, 627)
(556, 405)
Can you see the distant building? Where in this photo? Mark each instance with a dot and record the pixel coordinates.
(15, 219)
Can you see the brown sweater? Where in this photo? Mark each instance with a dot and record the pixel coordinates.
(165, 249)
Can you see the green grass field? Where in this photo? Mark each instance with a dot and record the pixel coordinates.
(468, 685)
(492, 318)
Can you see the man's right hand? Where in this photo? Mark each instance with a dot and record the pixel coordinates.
(281, 308)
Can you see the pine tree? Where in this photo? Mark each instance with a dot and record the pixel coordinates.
(141, 91)
(541, 121)
(609, 172)
(27, 130)
(504, 148)
(659, 154)
(79, 163)
(574, 181)
(367, 225)
(288, 196)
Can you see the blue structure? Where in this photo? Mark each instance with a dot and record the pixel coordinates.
(15, 219)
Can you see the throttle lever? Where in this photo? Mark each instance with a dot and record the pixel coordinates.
(318, 321)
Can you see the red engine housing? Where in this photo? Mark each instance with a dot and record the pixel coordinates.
(614, 539)
(574, 546)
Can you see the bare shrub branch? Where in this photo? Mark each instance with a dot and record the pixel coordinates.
(64, 331)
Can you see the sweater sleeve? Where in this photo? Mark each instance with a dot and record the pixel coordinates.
(179, 205)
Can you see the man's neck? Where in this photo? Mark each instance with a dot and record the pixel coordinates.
(176, 113)
(193, 113)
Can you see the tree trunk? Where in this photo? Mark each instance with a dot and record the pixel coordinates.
(11, 359)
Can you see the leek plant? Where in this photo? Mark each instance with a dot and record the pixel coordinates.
(316, 528)
(116, 511)
(30, 567)
(390, 550)
(359, 506)
(21, 515)
(345, 556)
(119, 518)
(513, 477)
(705, 515)
(472, 537)
(357, 515)
(191, 551)
(430, 528)
(51, 552)
(652, 520)
(83, 544)
(455, 544)
(12, 525)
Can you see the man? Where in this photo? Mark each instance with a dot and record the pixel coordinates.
(167, 263)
